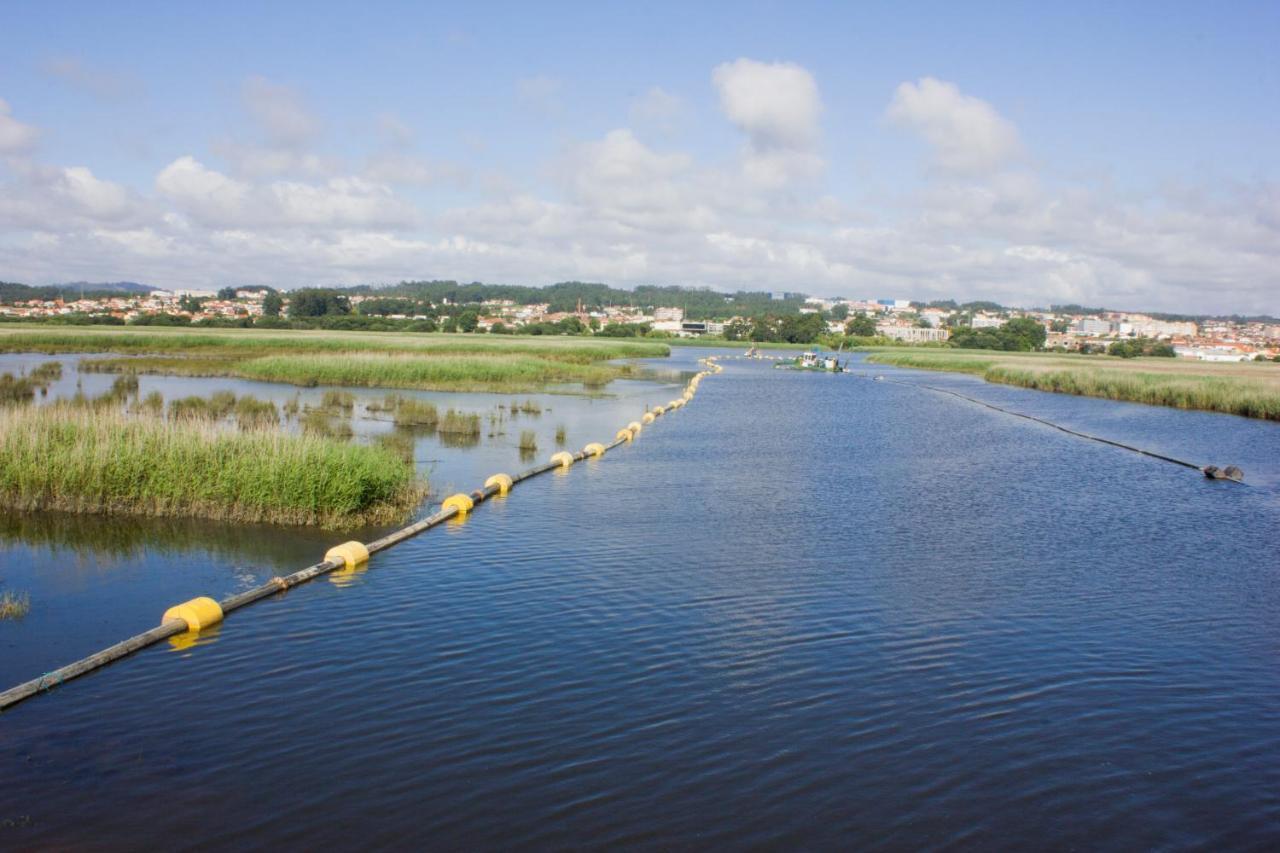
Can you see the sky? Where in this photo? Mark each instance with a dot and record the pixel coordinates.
(1113, 154)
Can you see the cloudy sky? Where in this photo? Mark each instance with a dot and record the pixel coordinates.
(1029, 154)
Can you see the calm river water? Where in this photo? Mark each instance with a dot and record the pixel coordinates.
(809, 610)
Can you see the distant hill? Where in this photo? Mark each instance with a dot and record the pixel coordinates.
(106, 287)
(14, 292)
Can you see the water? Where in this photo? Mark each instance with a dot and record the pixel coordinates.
(807, 610)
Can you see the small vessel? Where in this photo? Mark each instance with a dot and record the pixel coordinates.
(811, 360)
(754, 352)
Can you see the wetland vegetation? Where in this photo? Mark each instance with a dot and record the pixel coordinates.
(425, 362)
(94, 460)
(1248, 389)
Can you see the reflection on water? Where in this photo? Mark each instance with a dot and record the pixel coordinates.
(117, 539)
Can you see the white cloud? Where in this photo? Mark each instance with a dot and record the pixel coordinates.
(15, 137)
(620, 210)
(966, 133)
(777, 106)
(218, 200)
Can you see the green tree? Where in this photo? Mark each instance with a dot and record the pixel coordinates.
(272, 304)
(738, 330)
(227, 294)
(315, 302)
(861, 326)
(468, 320)
(840, 312)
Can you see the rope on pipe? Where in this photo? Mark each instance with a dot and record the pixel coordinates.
(204, 612)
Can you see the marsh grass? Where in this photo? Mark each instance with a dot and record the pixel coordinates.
(411, 412)
(14, 605)
(448, 362)
(560, 435)
(93, 461)
(252, 413)
(528, 441)
(459, 423)
(212, 408)
(16, 389)
(320, 424)
(343, 401)
(152, 404)
(43, 374)
(1248, 390)
(399, 442)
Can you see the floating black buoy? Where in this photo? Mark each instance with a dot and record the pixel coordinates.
(1231, 472)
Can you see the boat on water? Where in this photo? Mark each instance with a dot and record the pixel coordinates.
(812, 360)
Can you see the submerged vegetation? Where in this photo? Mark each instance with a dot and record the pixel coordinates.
(1250, 390)
(14, 605)
(92, 460)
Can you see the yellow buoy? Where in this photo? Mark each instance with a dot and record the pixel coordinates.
(625, 434)
(658, 410)
(197, 613)
(463, 503)
(648, 418)
(635, 427)
(564, 458)
(351, 553)
(595, 448)
(502, 481)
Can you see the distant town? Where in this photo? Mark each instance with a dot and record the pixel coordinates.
(899, 320)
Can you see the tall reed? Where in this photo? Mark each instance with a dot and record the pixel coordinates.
(94, 461)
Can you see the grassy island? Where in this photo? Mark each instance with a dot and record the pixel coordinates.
(429, 362)
(100, 461)
(1247, 389)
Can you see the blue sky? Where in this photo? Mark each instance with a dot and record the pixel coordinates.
(1030, 153)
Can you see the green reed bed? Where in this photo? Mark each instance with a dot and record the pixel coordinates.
(475, 373)
(1247, 390)
(92, 461)
(409, 412)
(247, 343)
(392, 370)
(16, 389)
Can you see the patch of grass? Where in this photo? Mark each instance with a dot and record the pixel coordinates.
(320, 424)
(43, 374)
(459, 423)
(17, 337)
(16, 390)
(447, 362)
(528, 440)
(252, 413)
(411, 412)
(91, 461)
(213, 408)
(152, 404)
(1249, 390)
(14, 605)
(399, 442)
(342, 400)
(560, 435)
